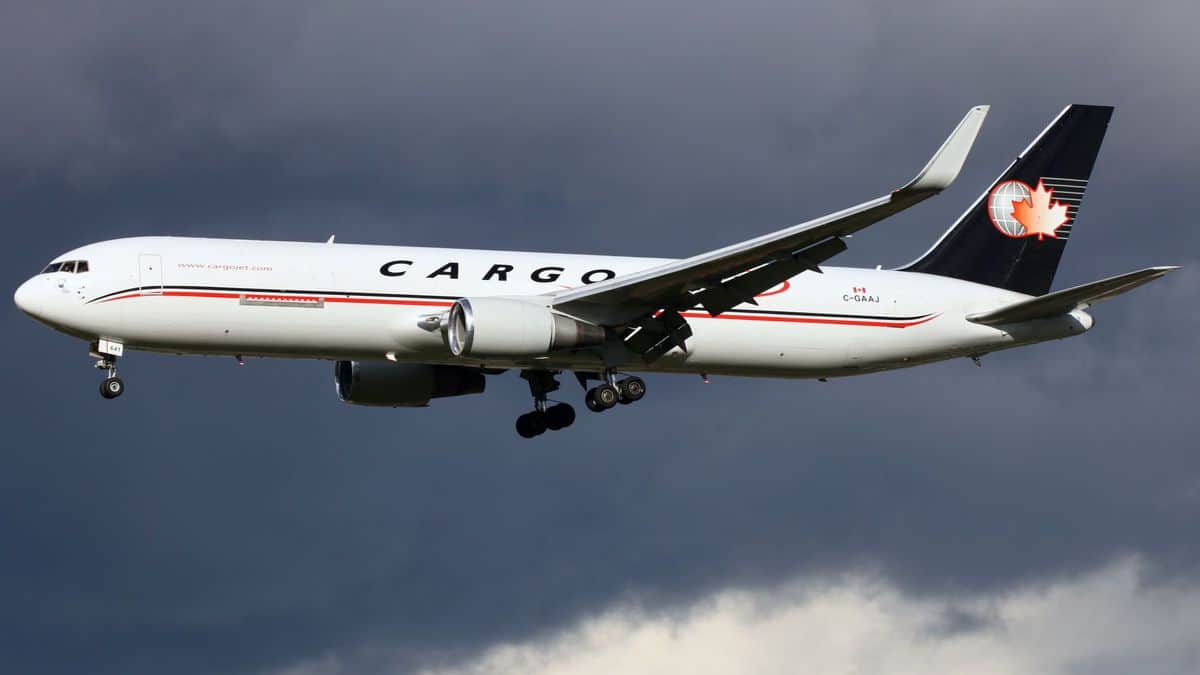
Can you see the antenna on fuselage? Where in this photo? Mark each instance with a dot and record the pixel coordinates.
(330, 239)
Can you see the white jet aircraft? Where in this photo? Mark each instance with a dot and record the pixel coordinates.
(406, 325)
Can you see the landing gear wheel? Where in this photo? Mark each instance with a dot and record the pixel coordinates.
(591, 403)
(531, 424)
(632, 389)
(559, 416)
(602, 398)
(112, 387)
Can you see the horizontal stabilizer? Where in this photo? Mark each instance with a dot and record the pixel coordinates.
(1069, 300)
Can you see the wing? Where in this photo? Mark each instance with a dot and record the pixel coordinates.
(1071, 299)
(722, 279)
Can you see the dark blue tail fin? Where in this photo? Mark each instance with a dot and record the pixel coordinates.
(1014, 235)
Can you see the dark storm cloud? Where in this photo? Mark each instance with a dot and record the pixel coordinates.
(223, 519)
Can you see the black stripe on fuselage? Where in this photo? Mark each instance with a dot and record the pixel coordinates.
(832, 316)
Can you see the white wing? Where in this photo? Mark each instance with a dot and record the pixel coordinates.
(721, 279)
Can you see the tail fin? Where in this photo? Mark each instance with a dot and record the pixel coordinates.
(1014, 235)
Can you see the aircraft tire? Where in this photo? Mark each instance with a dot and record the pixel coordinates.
(605, 396)
(559, 416)
(531, 424)
(632, 389)
(112, 387)
(590, 402)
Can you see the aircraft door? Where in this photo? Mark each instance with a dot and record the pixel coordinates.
(150, 277)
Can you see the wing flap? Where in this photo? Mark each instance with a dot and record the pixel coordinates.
(1069, 300)
(729, 293)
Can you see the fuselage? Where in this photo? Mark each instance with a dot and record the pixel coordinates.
(347, 301)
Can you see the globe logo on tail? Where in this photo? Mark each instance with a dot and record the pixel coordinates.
(1018, 210)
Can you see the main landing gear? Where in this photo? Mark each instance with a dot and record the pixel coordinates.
(544, 415)
(552, 417)
(106, 353)
(613, 391)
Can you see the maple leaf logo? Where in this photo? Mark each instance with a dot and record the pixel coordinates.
(1038, 215)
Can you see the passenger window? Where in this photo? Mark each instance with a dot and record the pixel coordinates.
(68, 267)
(81, 267)
(51, 268)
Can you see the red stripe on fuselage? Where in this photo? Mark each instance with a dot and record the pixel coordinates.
(275, 296)
(389, 301)
(870, 323)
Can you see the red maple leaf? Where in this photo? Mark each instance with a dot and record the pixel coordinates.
(1038, 214)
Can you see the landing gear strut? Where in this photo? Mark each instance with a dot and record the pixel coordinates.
(613, 391)
(544, 416)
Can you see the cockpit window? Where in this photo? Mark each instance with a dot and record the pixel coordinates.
(68, 266)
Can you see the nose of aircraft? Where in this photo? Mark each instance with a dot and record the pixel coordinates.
(24, 296)
(35, 298)
(49, 300)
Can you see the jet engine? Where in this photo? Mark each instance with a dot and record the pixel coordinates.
(403, 384)
(482, 327)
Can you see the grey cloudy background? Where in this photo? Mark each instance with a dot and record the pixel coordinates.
(225, 519)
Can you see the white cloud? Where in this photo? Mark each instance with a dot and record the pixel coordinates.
(1105, 621)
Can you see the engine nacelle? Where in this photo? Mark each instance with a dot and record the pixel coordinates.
(484, 327)
(402, 384)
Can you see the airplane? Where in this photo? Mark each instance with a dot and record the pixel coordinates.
(405, 325)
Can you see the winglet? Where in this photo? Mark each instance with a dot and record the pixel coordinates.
(945, 164)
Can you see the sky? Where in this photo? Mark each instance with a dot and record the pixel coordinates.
(1037, 514)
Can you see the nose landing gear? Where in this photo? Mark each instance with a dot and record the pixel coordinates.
(106, 353)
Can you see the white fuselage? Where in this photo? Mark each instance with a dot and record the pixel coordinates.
(344, 301)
